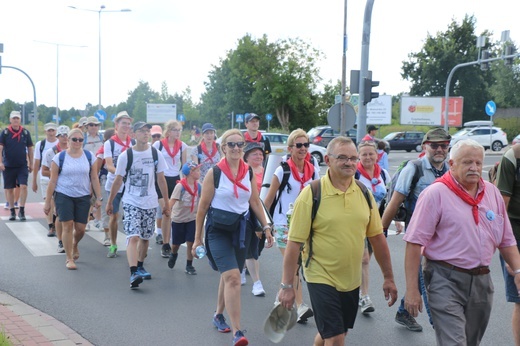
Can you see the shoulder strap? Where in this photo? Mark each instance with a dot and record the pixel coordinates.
(283, 184)
(251, 174)
(155, 157)
(357, 175)
(130, 159)
(61, 158)
(85, 136)
(216, 176)
(112, 144)
(417, 175)
(199, 152)
(316, 199)
(42, 146)
(160, 146)
(365, 193)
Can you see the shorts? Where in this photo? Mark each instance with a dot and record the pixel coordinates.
(511, 290)
(44, 184)
(334, 312)
(138, 222)
(280, 233)
(104, 217)
(223, 255)
(116, 203)
(15, 176)
(170, 182)
(72, 208)
(183, 232)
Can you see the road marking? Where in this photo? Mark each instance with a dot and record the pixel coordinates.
(33, 235)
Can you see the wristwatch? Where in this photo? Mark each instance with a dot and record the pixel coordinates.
(516, 271)
(284, 286)
(100, 199)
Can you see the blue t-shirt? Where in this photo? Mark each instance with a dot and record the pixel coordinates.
(15, 149)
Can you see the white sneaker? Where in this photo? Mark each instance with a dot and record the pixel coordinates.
(258, 289)
(243, 277)
(106, 242)
(366, 305)
(304, 313)
(6, 206)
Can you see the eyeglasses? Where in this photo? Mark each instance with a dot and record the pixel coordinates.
(300, 145)
(77, 139)
(345, 159)
(93, 125)
(156, 136)
(436, 146)
(235, 144)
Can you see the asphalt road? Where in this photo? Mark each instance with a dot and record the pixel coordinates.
(176, 309)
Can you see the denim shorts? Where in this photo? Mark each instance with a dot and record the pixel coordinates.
(223, 255)
(511, 290)
(72, 208)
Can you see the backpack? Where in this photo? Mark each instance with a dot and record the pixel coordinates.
(493, 173)
(403, 214)
(130, 160)
(61, 159)
(316, 199)
(199, 151)
(283, 184)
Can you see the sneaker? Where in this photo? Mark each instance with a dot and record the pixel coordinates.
(171, 260)
(93, 225)
(304, 312)
(220, 323)
(366, 305)
(6, 206)
(106, 242)
(16, 205)
(159, 239)
(60, 247)
(243, 277)
(143, 273)
(12, 217)
(112, 252)
(52, 232)
(21, 215)
(135, 280)
(166, 251)
(407, 320)
(239, 339)
(190, 270)
(258, 289)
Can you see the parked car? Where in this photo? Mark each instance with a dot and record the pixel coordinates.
(322, 135)
(480, 132)
(405, 140)
(279, 146)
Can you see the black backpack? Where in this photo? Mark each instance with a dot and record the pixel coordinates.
(403, 214)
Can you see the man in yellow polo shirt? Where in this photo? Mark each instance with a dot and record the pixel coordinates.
(341, 224)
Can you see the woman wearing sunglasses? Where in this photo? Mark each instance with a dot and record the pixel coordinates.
(228, 191)
(71, 182)
(302, 172)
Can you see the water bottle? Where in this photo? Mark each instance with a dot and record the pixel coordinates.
(289, 214)
(200, 251)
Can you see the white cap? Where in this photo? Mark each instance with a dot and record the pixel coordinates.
(15, 114)
(278, 322)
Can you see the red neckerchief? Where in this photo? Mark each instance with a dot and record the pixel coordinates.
(193, 192)
(242, 171)
(126, 145)
(204, 149)
(380, 155)
(248, 138)
(308, 170)
(377, 174)
(58, 148)
(15, 134)
(176, 147)
(448, 180)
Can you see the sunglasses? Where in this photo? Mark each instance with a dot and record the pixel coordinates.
(156, 136)
(93, 125)
(237, 144)
(436, 146)
(300, 145)
(77, 139)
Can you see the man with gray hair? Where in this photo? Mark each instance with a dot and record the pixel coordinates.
(458, 223)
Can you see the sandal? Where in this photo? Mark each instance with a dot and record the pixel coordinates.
(75, 254)
(70, 265)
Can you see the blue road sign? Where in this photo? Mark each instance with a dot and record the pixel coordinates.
(73, 118)
(269, 116)
(113, 116)
(55, 117)
(240, 118)
(491, 108)
(181, 117)
(101, 115)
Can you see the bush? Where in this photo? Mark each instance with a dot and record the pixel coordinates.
(511, 126)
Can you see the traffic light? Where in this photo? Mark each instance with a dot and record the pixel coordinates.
(369, 95)
(484, 66)
(510, 50)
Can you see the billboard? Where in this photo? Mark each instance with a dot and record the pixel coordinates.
(430, 111)
(379, 110)
(160, 113)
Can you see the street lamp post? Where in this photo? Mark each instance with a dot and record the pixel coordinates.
(101, 9)
(57, 71)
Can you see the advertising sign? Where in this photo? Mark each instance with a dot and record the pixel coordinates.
(379, 110)
(430, 111)
(160, 113)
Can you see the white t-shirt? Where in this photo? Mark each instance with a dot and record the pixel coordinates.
(37, 156)
(140, 183)
(118, 149)
(74, 179)
(174, 164)
(225, 199)
(289, 194)
(93, 143)
(48, 155)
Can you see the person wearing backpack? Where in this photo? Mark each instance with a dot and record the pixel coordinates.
(207, 153)
(137, 170)
(508, 182)
(333, 243)
(375, 179)
(71, 182)
(174, 152)
(285, 187)
(416, 176)
(93, 139)
(184, 202)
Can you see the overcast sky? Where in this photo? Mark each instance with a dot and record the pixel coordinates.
(179, 41)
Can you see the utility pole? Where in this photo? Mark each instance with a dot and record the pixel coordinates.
(343, 110)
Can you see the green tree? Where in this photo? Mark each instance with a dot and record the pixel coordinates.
(138, 98)
(505, 91)
(428, 69)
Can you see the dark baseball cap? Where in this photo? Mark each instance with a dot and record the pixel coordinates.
(251, 116)
(140, 124)
(208, 127)
(436, 135)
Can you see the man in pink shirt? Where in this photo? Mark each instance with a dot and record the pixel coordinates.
(458, 223)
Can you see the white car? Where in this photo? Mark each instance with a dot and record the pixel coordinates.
(480, 132)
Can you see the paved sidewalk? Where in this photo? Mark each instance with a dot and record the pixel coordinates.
(27, 326)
